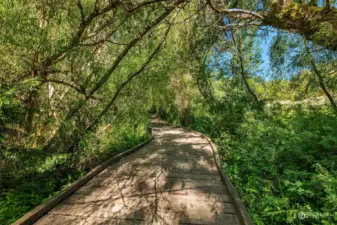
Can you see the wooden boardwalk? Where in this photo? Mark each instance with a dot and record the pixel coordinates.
(172, 180)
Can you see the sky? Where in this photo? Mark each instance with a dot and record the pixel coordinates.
(265, 45)
(219, 59)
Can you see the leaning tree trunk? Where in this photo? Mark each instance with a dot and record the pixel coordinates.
(320, 77)
(237, 44)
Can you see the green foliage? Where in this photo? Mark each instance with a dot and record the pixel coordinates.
(11, 107)
(29, 177)
(283, 164)
(67, 100)
(34, 190)
(282, 160)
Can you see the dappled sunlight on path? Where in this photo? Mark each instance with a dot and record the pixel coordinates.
(172, 180)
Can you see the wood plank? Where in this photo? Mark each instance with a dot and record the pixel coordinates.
(42, 209)
(175, 180)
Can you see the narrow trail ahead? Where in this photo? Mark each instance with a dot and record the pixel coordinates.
(172, 180)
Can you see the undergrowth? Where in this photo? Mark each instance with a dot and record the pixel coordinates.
(282, 161)
(40, 176)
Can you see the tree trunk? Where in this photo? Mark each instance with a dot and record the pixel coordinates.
(320, 77)
(237, 44)
(52, 143)
(29, 120)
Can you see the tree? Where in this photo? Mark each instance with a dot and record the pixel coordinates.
(317, 24)
(319, 76)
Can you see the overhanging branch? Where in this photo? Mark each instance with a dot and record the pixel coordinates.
(127, 81)
(239, 25)
(78, 89)
(237, 13)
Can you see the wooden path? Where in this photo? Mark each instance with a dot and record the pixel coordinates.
(172, 180)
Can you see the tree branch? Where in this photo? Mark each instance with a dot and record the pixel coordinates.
(53, 141)
(80, 90)
(141, 5)
(48, 61)
(190, 16)
(239, 25)
(52, 71)
(127, 81)
(102, 42)
(237, 13)
(106, 24)
(79, 4)
(237, 44)
(320, 77)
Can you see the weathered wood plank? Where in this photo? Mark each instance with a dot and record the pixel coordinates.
(39, 211)
(176, 179)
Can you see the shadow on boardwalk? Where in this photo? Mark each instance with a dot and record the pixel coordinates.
(172, 180)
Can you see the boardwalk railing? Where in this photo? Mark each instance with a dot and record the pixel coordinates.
(237, 202)
(239, 206)
(241, 212)
(44, 208)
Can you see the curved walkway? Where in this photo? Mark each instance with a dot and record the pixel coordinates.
(172, 180)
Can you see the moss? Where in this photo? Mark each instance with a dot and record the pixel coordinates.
(326, 32)
(314, 23)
